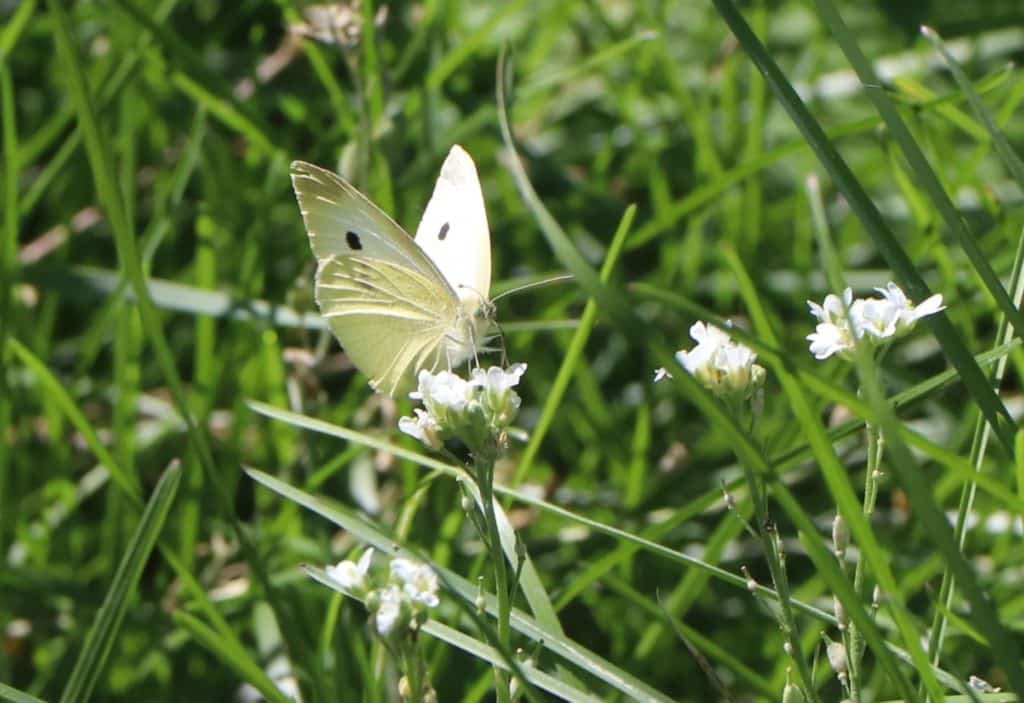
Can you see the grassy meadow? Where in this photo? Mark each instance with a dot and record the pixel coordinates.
(185, 446)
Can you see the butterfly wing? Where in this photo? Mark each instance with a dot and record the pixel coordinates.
(390, 319)
(454, 232)
(388, 304)
(341, 221)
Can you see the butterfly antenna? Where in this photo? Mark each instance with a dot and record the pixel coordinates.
(534, 284)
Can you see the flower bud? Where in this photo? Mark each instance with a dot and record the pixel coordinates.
(840, 535)
(837, 657)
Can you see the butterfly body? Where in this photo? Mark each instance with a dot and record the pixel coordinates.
(398, 305)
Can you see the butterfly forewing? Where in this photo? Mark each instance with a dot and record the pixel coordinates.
(341, 221)
(454, 231)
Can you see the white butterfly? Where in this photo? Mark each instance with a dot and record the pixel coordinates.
(398, 305)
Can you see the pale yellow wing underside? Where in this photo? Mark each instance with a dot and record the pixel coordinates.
(391, 318)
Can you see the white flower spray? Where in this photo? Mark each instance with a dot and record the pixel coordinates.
(477, 412)
(397, 602)
(843, 323)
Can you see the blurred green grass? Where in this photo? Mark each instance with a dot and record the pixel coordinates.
(200, 107)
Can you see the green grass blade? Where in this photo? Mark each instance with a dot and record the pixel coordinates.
(1006, 152)
(15, 26)
(572, 652)
(232, 654)
(887, 244)
(13, 695)
(572, 355)
(100, 641)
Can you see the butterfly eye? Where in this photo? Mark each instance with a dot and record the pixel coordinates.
(444, 231)
(353, 240)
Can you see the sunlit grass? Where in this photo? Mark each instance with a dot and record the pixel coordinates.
(684, 162)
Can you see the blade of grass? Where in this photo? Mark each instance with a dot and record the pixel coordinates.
(887, 244)
(13, 695)
(14, 27)
(101, 165)
(231, 654)
(979, 445)
(8, 256)
(573, 354)
(1006, 152)
(100, 641)
(557, 644)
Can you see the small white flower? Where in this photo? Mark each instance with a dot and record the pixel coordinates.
(875, 317)
(833, 310)
(828, 339)
(418, 581)
(388, 610)
(709, 340)
(423, 427)
(908, 312)
(661, 374)
(443, 390)
(351, 575)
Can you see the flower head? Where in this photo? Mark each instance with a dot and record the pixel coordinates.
(723, 366)
(351, 575)
(477, 411)
(843, 321)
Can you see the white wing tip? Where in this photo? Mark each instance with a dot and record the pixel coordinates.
(458, 167)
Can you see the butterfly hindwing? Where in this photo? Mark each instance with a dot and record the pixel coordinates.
(389, 318)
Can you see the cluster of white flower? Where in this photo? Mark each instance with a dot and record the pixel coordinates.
(411, 588)
(843, 321)
(724, 367)
(482, 407)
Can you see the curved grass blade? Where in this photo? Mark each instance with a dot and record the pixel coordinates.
(557, 644)
(480, 650)
(866, 211)
(572, 354)
(13, 695)
(232, 654)
(100, 640)
(1010, 158)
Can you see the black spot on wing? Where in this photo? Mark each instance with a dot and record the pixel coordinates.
(353, 240)
(444, 231)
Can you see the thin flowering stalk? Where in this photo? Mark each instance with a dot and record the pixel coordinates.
(728, 370)
(478, 412)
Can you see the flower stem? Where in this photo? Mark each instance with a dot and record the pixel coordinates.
(485, 478)
(854, 639)
(775, 557)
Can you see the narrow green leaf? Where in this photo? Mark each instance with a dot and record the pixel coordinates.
(1003, 147)
(105, 628)
(231, 653)
(13, 695)
(573, 354)
(888, 246)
